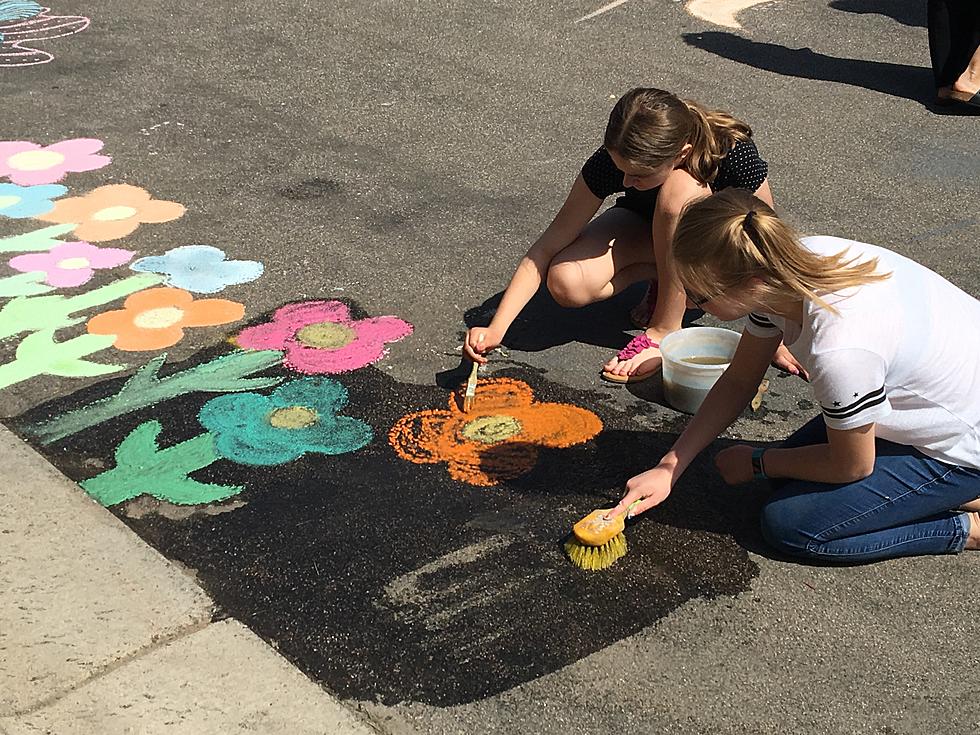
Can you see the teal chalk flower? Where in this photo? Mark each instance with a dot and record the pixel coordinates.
(297, 418)
(18, 202)
(199, 268)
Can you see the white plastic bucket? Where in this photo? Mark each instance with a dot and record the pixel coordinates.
(686, 383)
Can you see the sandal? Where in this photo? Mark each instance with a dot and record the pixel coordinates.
(635, 346)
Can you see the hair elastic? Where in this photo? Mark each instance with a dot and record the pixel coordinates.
(748, 217)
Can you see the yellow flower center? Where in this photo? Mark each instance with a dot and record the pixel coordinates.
(35, 160)
(293, 417)
(73, 264)
(8, 201)
(160, 318)
(117, 212)
(492, 429)
(326, 335)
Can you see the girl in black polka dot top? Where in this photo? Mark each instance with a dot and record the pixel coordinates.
(661, 152)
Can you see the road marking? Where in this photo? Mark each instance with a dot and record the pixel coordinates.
(603, 9)
(721, 12)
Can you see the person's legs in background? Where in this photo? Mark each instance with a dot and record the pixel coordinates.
(954, 38)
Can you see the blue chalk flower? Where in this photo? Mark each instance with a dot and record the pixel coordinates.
(18, 202)
(297, 418)
(199, 268)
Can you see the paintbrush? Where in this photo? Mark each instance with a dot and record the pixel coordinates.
(469, 397)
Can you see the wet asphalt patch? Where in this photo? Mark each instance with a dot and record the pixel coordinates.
(391, 581)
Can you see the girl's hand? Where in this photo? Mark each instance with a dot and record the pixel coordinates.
(735, 464)
(479, 341)
(650, 488)
(784, 360)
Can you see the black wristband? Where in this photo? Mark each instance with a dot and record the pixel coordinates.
(758, 466)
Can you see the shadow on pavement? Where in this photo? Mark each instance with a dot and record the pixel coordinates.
(899, 80)
(907, 12)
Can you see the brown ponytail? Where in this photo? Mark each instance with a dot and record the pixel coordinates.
(649, 127)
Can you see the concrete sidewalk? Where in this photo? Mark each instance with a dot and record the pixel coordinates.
(101, 634)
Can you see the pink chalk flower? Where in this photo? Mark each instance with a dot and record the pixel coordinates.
(320, 337)
(71, 263)
(27, 163)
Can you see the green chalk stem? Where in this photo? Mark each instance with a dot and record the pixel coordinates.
(36, 313)
(143, 468)
(37, 240)
(24, 284)
(38, 354)
(223, 374)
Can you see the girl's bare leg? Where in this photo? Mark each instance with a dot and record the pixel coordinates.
(613, 251)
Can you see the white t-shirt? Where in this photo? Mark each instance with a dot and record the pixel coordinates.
(903, 353)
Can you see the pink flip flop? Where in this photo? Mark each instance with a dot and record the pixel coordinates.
(635, 346)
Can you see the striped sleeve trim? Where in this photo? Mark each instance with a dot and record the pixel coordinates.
(863, 403)
(761, 321)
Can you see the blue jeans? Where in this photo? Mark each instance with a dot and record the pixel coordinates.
(906, 507)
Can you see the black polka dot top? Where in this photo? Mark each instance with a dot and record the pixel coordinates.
(742, 168)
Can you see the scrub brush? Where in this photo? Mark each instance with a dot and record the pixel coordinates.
(597, 541)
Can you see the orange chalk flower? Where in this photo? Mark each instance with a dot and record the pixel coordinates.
(156, 318)
(498, 439)
(111, 212)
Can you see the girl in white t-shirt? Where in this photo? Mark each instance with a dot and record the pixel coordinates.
(892, 350)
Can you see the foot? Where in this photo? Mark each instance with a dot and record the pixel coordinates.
(965, 87)
(973, 540)
(640, 358)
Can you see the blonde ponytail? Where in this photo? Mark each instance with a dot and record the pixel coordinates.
(727, 238)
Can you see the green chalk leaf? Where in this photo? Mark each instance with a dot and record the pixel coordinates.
(24, 284)
(223, 374)
(38, 354)
(143, 468)
(43, 239)
(36, 313)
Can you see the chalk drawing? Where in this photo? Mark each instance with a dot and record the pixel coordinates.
(36, 240)
(604, 9)
(498, 440)
(18, 202)
(297, 418)
(156, 318)
(320, 337)
(20, 32)
(24, 284)
(112, 211)
(29, 164)
(143, 468)
(721, 12)
(199, 268)
(71, 263)
(52, 312)
(38, 354)
(223, 374)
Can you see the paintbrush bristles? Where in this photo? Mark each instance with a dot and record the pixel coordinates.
(469, 397)
(595, 558)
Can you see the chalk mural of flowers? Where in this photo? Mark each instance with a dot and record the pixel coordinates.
(18, 202)
(112, 211)
(72, 263)
(29, 164)
(498, 439)
(23, 23)
(156, 318)
(299, 417)
(320, 337)
(199, 268)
